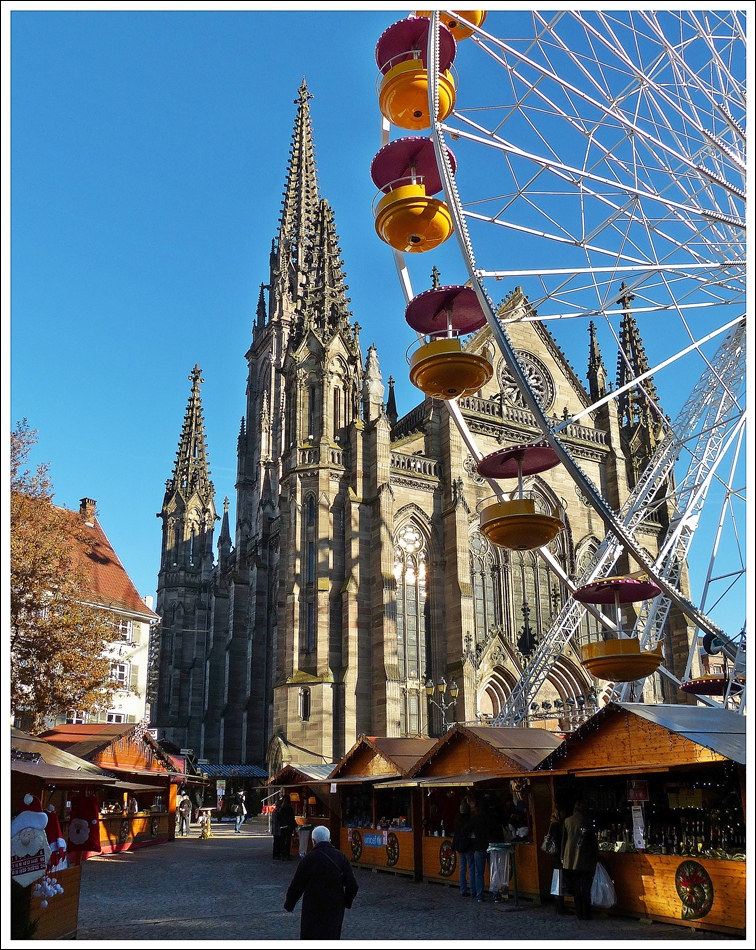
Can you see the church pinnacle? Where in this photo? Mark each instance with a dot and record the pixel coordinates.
(635, 405)
(301, 191)
(190, 472)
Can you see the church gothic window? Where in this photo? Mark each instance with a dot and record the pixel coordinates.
(304, 704)
(503, 581)
(410, 558)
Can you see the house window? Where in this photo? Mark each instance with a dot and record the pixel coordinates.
(304, 704)
(120, 673)
(310, 562)
(116, 717)
(122, 628)
(76, 717)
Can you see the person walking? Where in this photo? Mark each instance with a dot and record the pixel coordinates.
(480, 837)
(462, 844)
(185, 813)
(286, 828)
(240, 810)
(275, 829)
(579, 857)
(325, 881)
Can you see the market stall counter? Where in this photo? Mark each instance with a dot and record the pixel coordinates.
(380, 827)
(664, 787)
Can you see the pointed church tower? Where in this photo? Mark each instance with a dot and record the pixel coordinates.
(639, 409)
(188, 516)
(303, 398)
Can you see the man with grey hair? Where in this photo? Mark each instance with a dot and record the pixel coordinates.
(325, 881)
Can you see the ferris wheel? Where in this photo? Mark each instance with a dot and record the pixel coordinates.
(599, 164)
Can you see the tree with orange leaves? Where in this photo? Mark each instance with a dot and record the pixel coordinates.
(58, 640)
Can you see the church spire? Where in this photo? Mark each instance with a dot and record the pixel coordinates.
(325, 306)
(596, 368)
(300, 193)
(261, 311)
(635, 405)
(391, 411)
(190, 473)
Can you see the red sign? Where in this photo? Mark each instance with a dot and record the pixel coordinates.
(637, 790)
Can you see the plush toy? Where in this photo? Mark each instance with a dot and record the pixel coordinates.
(84, 826)
(30, 852)
(57, 842)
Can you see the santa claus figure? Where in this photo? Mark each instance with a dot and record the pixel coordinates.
(84, 826)
(30, 852)
(57, 842)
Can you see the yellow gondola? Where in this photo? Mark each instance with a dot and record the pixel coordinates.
(515, 524)
(403, 95)
(459, 30)
(410, 221)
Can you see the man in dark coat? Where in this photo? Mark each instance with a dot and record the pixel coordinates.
(325, 878)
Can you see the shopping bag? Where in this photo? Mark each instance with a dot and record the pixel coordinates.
(557, 885)
(549, 845)
(602, 889)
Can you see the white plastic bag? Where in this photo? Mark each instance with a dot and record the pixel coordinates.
(499, 870)
(602, 889)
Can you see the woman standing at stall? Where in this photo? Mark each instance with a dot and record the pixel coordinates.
(462, 844)
(579, 857)
(555, 834)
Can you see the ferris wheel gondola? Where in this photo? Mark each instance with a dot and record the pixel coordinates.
(602, 169)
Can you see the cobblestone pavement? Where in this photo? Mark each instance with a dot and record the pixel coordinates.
(229, 888)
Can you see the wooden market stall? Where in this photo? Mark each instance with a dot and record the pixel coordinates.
(140, 807)
(54, 777)
(665, 785)
(498, 767)
(305, 785)
(377, 826)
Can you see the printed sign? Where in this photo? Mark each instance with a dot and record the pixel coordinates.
(333, 788)
(637, 790)
(373, 840)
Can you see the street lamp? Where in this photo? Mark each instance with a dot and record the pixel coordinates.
(441, 702)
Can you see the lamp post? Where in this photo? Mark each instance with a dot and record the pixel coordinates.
(441, 703)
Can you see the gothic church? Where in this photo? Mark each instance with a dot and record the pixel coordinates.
(356, 568)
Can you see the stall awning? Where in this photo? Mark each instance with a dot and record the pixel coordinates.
(351, 780)
(464, 780)
(58, 775)
(233, 771)
(136, 787)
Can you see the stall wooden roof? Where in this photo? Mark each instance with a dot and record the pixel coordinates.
(634, 737)
(301, 774)
(375, 757)
(112, 746)
(487, 750)
(25, 744)
(59, 775)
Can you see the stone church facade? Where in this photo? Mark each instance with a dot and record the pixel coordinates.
(356, 567)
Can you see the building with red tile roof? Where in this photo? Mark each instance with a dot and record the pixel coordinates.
(111, 588)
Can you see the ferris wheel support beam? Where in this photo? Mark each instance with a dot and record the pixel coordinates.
(599, 504)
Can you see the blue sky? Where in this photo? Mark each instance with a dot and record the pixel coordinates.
(149, 152)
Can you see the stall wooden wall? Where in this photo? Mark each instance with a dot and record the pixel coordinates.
(645, 885)
(626, 738)
(464, 754)
(60, 919)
